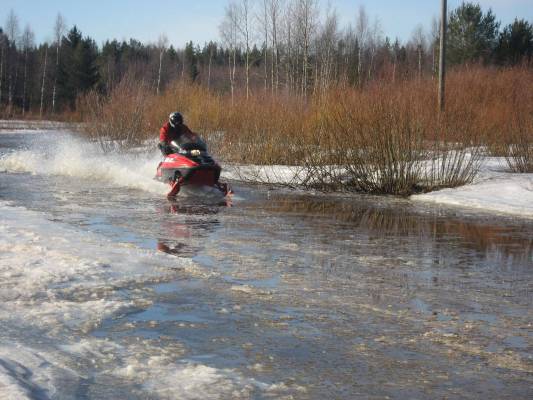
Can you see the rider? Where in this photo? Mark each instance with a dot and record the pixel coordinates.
(174, 130)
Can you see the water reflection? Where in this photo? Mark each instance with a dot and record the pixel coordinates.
(505, 245)
(184, 225)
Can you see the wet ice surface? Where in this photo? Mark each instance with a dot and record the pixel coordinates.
(109, 291)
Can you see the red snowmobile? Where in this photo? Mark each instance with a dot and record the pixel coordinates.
(189, 165)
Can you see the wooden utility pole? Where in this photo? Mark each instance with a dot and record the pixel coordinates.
(442, 57)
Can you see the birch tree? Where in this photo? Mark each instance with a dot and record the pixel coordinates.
(325, 49)
(162, 44)
(361, 38)
(43, 80)
(288, 43)
(28, 42)
(375, 38)
(419, 44)
(3, 46)
(12, 32)
(245, 30)
(212, 47)
(229, 33)
(59, 31)
(274, 11)
(306, 18)
(264, 21)
(434, 38)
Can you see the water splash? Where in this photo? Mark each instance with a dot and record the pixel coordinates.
(67, 155)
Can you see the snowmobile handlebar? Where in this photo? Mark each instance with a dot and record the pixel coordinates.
(186, 147)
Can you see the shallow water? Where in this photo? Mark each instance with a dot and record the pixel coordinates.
(277, 295)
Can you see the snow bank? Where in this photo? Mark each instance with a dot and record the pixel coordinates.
(494, 190)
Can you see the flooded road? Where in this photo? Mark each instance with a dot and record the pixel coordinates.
(279, 295)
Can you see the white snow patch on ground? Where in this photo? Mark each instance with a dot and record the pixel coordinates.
(494, 190)
(271, 174)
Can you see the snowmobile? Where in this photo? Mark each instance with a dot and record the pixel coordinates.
(190, 166)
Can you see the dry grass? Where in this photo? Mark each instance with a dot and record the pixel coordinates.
(385, 138)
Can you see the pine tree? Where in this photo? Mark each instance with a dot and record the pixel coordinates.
(191, 61)
(516, 43)
(78, 71)
(472, 35)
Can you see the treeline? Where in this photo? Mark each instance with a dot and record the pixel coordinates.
(279, 46)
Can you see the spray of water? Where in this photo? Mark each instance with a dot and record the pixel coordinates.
(72, 156)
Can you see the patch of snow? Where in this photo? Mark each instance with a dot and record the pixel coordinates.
(494, 190)
(271, 174)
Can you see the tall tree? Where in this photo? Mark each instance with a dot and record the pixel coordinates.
(43, 80)
(28, 42)
(12, 32)
(273, 10)
(229, 33)
(472, 34)
(418, 43)
(78, 70)
(245, 30)
(162, 45)
(516, 42)
(327, 41)
(59, 31)
(191, 61)
(306, 14)
(362, 28)
(3, 51)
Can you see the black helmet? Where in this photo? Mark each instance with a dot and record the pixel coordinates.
(175, 119)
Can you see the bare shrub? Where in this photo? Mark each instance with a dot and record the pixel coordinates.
(118, 121)
(382, 141)
(496, 103)
(519, 147)
(382, 138)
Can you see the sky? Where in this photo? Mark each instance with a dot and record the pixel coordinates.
(198, 20)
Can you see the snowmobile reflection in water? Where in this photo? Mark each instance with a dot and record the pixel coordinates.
(187, 164)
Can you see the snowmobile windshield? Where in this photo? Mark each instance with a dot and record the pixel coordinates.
(187, 144)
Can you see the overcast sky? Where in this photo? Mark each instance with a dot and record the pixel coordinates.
(198, 20)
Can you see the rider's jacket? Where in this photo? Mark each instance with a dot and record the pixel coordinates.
(167, 133)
